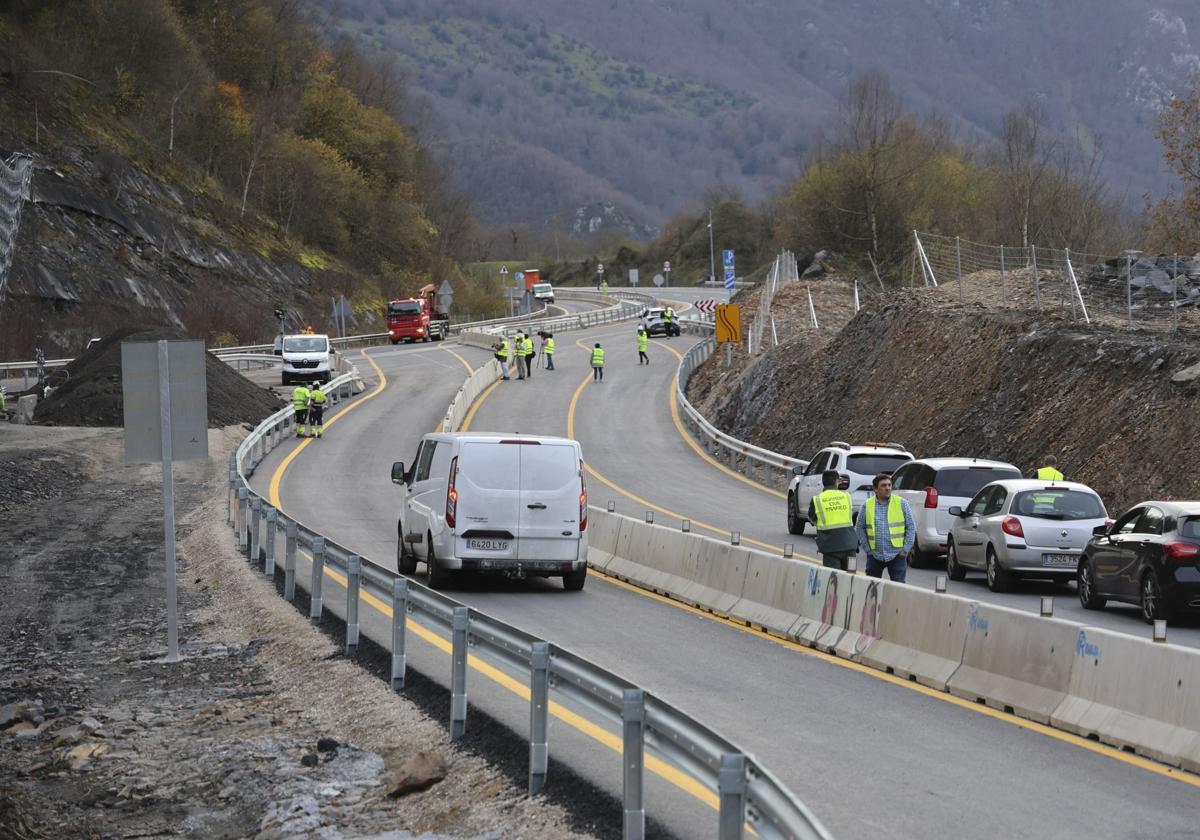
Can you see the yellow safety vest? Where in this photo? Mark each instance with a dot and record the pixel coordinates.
(643, 340)
(669, 315)
(598, 357)
(318, 397)
(1049, 474)
(300, 396)
(503, 351)
(834, 510)
(528, 346)
(895, 515)
(549, 347)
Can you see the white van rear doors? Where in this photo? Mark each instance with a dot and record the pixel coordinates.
(487, 481)
(550, 491)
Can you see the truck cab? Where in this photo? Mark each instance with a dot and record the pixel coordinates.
(419, 318)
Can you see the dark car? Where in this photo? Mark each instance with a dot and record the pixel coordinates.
(1150, 557)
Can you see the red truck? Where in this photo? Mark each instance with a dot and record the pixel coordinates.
(420, 318)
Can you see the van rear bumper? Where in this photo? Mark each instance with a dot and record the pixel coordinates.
(503, 566)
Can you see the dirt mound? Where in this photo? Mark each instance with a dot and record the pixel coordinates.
(962, 380)
(88, 391)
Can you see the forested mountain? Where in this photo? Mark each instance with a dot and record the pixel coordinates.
(540, 107)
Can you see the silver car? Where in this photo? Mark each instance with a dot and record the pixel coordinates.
(1023, 528)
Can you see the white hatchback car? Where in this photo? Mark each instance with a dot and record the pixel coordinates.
(1023, 528)
(934, 485)
(514, 505)
(859, 463)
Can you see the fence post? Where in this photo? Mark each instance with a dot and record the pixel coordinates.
(1037, 285)
(255, 522)
(539, 714)
(290, 532)
(633, 724)
(1129, 289)
(458, 672)
(1174, 296)
(731, 787)
(242, 496)
(353, 584)
(1003, 275)
(318, 577)
(269, 562)
(958, 266)
(399, 628)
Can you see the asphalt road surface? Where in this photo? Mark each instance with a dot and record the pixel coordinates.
(871, 755)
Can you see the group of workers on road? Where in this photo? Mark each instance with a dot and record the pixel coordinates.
(309, 405)
(522, 350)
(885, 530)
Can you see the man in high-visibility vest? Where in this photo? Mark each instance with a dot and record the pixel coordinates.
(833, 512)
(669, 320)
(886, 530)
(300, 396)
(529, 354)
(502, 357)
(548, 349)
(316, 409)
(597, 363)
(1050, 471)
(643, 342)
(519, 352)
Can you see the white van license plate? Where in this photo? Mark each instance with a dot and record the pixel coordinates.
(487, 545)
(1060, 559)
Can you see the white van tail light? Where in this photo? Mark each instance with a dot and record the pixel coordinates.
(582, 504)
(452, 494)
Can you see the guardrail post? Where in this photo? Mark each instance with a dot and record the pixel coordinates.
(633, 724)
(539, 716)
(458, 672)
(290, 532)
(318, 577)
(353, 584)
(399, 628)
(230, 507)
(255, 522)
(242, 496)
(731, 787)
(272, 526)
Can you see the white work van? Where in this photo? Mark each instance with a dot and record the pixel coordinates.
(306, 357)
(543, 292)
(514, 505)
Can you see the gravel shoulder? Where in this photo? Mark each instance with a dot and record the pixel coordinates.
(265, 730)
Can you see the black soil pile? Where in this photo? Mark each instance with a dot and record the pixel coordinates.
(88, 391)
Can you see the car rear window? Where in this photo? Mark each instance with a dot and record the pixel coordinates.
(492, 466)
(874, 464)
(1189, 528)
(1059, 504)
(548, 467)
(967, 481)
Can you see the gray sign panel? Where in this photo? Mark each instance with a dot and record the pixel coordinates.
(633, 277)
(140, 388)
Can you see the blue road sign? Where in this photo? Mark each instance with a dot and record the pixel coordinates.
(729, 279)
(727, 258)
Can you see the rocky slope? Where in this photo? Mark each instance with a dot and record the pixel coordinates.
(1115, 406)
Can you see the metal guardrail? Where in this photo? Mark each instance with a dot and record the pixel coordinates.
(720, 442)
(749, 795)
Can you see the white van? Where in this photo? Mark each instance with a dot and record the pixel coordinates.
(543, 292)
(506, 504)
(306, 356)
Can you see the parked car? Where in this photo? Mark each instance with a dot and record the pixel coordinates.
(1149, 557)
(1018, 528)
(652, 321)
(934, 485)
(860, 463)
(505, 504)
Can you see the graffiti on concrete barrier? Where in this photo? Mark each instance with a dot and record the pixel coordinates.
(868, 618)
(1085, 648)
(975, 621)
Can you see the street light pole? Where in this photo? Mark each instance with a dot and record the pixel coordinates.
(712, 254)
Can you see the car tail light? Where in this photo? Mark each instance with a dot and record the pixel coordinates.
(931, 497)
(1012, 526)
(582, 504)
(452, 495)
(1181, 551)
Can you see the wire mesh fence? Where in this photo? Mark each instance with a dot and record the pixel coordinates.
(15, 175)
(783, 270)
(1131, 289)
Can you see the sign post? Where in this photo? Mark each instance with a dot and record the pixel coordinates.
(667, 271)
(633, 277)
(165, 392)
(730, 278)
(600, 271)
(729, 327)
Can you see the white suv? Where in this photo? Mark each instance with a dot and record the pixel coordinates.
(934, 485)
(859, 463)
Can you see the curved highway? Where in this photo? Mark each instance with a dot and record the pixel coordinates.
(871, 754)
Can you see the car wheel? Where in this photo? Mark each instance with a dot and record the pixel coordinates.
(439, 576)
(1085, 582)
(999, 579)
(919, 559)
(1154, 606)
(406, 558)
(395, 341)
(795, 523)
(953, 570)
(574, 581)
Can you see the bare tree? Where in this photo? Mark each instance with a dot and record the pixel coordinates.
(1026, 159)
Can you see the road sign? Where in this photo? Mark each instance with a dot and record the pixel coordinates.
(504, 269)
(599, 268)
(666, 265)
(446, 293)
(729, 323)
(633, 277)
(727, 258)
(706, 305)
(659, 280)
(730, 280)
(519, 277)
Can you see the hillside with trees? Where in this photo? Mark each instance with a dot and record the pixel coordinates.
(543, 107)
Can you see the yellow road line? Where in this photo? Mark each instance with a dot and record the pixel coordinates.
(466, 425)
(277, 477)
(465, 363)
